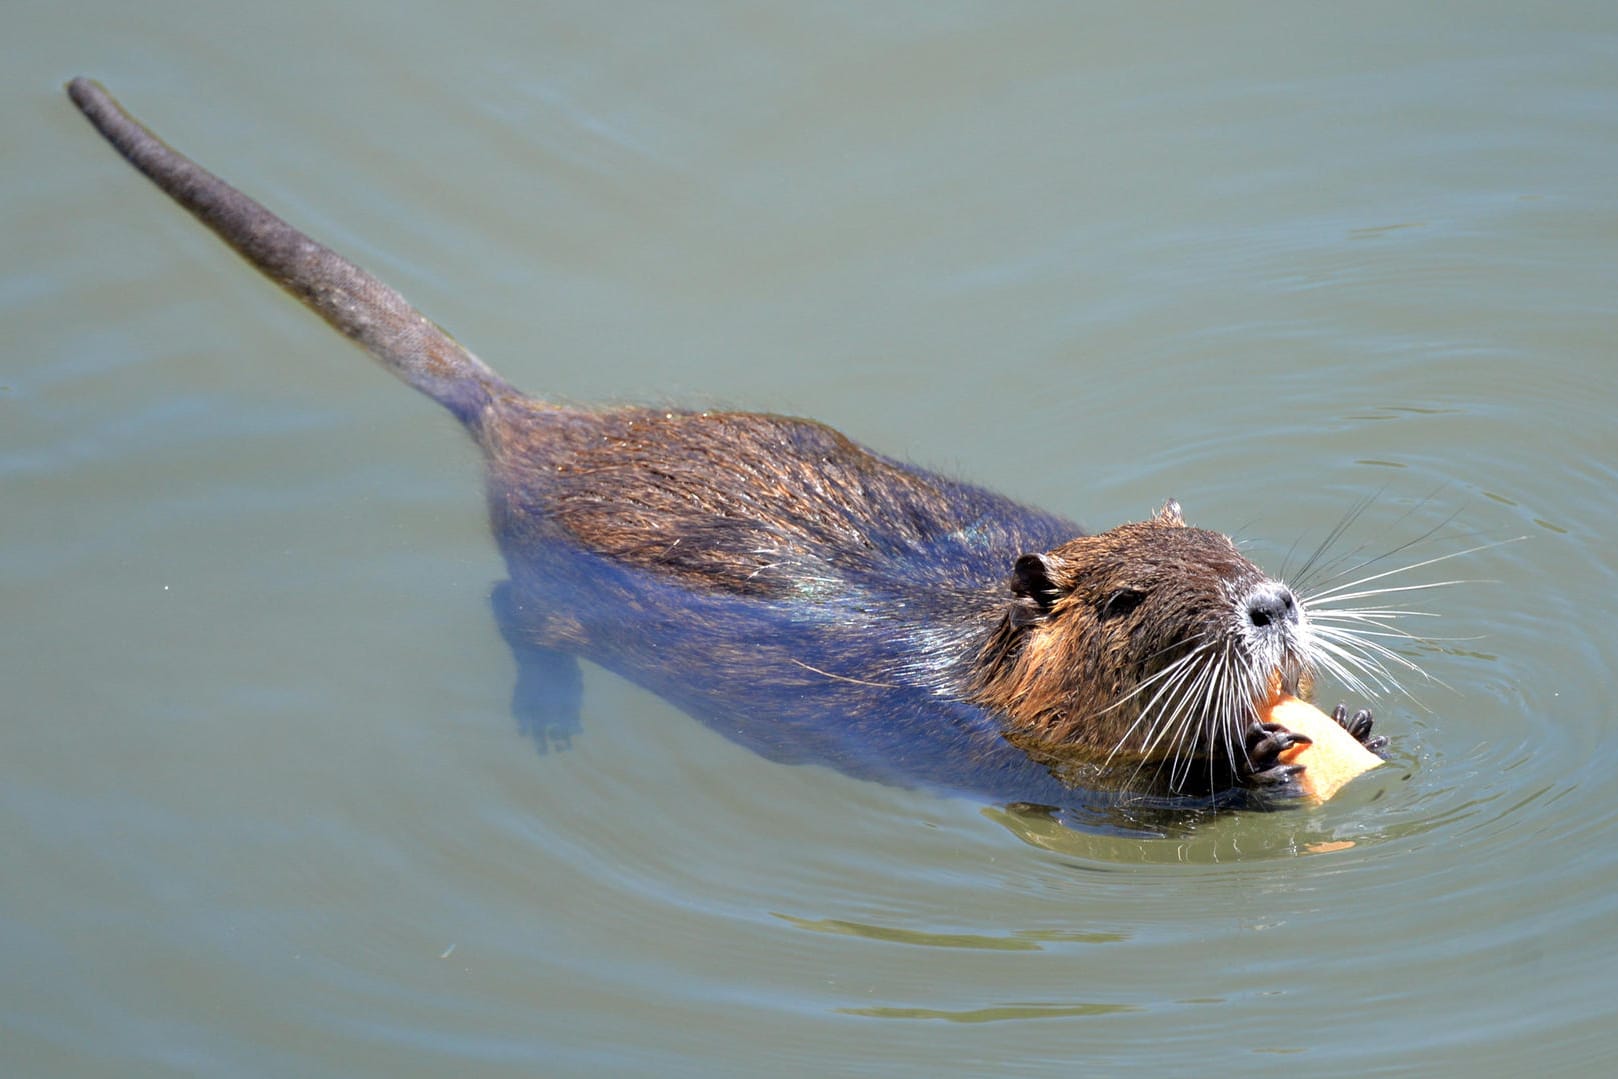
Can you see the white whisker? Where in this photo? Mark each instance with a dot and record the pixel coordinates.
(1328, 659)
(1357, 613)
(1170, 678)
(1163, 712)
(1356, 639)
(1379, 624)
(1339, 596)
(1412, 566)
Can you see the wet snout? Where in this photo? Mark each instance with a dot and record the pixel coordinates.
(1271, 608)
(1276, 635)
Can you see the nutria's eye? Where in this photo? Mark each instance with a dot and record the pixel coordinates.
(1121, 603)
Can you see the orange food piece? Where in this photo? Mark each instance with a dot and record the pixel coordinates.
(1333, 757)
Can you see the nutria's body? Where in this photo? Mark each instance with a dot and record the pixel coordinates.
(812, 599)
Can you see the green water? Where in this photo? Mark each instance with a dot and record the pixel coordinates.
(263, 804)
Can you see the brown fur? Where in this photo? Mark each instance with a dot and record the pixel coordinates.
(742, 502)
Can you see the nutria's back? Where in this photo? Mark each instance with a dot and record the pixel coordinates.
(747, 503)
(816, 600)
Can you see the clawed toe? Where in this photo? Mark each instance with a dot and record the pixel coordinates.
(1279, 776)
(1359, 725)
(1267, 741)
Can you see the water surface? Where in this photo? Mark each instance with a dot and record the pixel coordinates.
(264, 806)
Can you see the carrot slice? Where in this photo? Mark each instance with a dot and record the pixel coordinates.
(1332, 759)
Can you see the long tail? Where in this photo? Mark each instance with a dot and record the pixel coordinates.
(356, 304)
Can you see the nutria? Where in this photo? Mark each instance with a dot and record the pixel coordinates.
(820, 602)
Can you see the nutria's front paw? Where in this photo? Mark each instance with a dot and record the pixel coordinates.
(1360, 727)
(1267, 741)
(1265, 744)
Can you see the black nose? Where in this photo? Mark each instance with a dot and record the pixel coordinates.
(1271, 605)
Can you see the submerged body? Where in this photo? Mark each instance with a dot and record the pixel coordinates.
(767, 602)
(817, 601)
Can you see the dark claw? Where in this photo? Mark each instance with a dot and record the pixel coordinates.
(1279, 776)
(1265, 744)
(1360, 727)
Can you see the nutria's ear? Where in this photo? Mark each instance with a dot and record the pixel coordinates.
(1169, 515)
(1038, 580)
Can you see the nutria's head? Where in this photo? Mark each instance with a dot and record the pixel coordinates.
(1148, 647)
